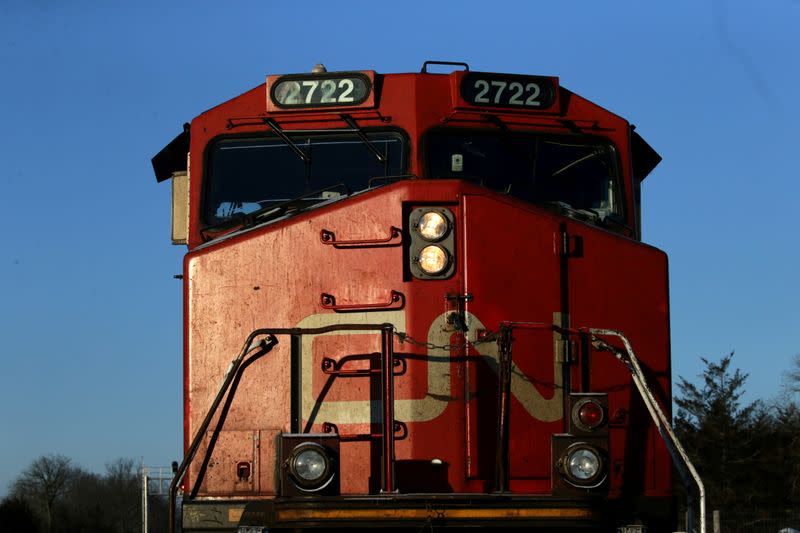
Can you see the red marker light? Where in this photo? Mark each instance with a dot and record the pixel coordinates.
(591, 414)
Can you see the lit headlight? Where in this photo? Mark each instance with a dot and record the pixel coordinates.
(432, 244)
(310, 466)
(582, 465)
(433, 259)
(432, 226)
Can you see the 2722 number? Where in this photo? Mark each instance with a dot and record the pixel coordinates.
(499, 92)
(329, 92)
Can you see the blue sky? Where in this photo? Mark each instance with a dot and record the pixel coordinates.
(90, 315)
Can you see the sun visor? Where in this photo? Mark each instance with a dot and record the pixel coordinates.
(645, 159)
(172, 158)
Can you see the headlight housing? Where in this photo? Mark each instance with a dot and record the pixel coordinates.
(432, 247)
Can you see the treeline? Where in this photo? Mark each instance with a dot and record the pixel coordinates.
(748, 454)
(52, 495)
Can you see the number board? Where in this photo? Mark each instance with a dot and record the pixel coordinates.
(302, 91)
(508, 90)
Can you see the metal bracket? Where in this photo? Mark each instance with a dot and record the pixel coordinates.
(457, 315)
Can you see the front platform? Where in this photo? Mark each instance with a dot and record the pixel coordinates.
(395, 512)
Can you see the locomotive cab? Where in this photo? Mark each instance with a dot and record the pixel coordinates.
(430, 274)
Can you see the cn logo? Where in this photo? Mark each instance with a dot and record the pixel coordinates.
(439, 370)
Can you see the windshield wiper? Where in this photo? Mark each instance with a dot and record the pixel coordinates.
(285, 138)
(361, 135)
(268, 212)
(590, 155)
(295, 204)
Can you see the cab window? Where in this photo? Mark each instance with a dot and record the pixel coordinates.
(245, 175)
(574, 173)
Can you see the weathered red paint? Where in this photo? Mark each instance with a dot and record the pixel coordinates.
(508, 257)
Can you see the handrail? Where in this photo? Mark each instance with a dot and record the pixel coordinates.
(328, 301)
(656, 413)
(263, 347)
(395, 238)
(504, 369)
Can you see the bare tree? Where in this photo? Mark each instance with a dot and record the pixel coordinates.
(44, 482)
(793, 376)
(123, 486)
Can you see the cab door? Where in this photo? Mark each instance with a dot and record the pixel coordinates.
(512, 266)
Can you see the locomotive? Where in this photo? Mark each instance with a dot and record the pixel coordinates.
(413, 300)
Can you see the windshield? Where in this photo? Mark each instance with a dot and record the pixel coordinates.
(574, 172)
(250, 174)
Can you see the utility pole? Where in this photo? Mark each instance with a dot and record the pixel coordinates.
(145, 481)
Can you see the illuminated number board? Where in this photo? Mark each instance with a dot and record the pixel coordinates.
(320, 90)
(508, 90)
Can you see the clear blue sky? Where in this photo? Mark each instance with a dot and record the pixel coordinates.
(90, 315)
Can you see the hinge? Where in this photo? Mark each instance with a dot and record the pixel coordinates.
(565, 351)
(571, 245)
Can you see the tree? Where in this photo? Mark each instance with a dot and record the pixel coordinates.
(793, 376)
(16, 516)
(123, 488)
(783, 452)
(724, 438)
(65, 498)
(44, 482)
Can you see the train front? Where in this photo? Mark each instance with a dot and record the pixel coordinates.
(390, 292)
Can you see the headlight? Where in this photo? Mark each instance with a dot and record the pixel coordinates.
(310, 466)
(432, 226)
(433, 260)
(582, 465)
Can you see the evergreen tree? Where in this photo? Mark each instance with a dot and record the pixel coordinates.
(723, 438)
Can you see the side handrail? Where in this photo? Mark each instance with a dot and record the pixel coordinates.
(266, 345)
(657, 414)
(262, 348)
(395, 238)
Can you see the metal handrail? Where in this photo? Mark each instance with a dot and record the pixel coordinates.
(263, 347)
(657, 414)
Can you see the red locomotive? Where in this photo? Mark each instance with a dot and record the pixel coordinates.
(389, 296)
